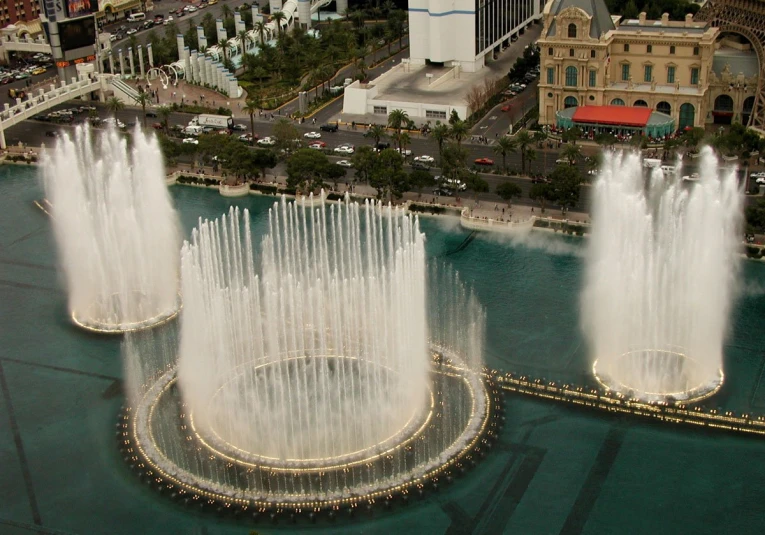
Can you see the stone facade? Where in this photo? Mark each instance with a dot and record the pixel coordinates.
(664, 65)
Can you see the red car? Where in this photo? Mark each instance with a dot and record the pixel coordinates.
(484, 161)
(507, 107)
(317, 145)
(157, 126)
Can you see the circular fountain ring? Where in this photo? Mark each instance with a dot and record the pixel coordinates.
(225, 448)
(89, 321)
(686, 384)
(178, 461)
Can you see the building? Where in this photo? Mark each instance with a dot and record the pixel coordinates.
(680, 69)
(466, 32)
(19, 11)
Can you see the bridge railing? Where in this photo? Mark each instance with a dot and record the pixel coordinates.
(40, 100)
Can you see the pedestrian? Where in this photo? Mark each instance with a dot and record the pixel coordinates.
(313, 120)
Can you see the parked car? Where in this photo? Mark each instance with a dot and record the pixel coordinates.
(267, 142)
(157, 126)
(539, 180)
(344, 163)
(312, 135)
(443, 192)
(317, 145)
(345, 149)
(240, 126)
(329, 128)
(247, 138)
(483, 161)
(382, 146)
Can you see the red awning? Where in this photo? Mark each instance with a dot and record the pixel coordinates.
(616, 115)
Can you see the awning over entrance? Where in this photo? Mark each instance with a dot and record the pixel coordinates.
(616, 115)
(616, 120)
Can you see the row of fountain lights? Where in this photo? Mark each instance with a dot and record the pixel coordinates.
(148, 471)
(509, 381)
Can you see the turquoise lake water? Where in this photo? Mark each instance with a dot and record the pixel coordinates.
(555, 470)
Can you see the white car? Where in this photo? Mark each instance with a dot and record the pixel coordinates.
(240, 126)
(760, 180)
(131, 31)
(191, 140)
(168, 20)
(192, 9)
(425, 159)
(344, 163)
(345, 149)
(759, 174)
(312, 135)
(267, 142)
(457, 184)
(405, 152)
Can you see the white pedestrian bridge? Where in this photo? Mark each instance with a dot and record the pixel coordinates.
(40, 100)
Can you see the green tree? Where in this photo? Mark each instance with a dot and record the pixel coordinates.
(396, 120)
(508, 191)
(251, 108)
(260, 29)
(572, 135)
(143, 99)
(278, 17)
(523, 142)
(453, 161)
(363, 161)
(376, 132)
(164, 112)
(565, 182)
(440, 133)
(419, 179)
(306, 169)
(459, 131)
(476, 184)
(262, 159)
(286, 134)
(504, 146)
(755, 217)
(571, 152)
(114, 105)
(540, 193)
(630, 10)
(388, 176)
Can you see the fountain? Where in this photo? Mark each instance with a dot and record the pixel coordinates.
(660, 278)
(331, 376)
(116, 230)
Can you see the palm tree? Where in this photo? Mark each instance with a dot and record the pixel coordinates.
(403, 141)
(244, 40)
(396, 120)
(251, 108)
(376, 132)
(504, 145)
(459, 131)
(440, 133)
(114, 105)
(143, 99)
(260, 29)
(571, 152)
(278, 17)
(523, 141)
(164, 114)
(226, 12)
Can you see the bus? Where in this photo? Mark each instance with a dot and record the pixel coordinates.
(136, 17)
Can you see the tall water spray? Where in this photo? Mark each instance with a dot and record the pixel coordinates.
(660, 277)
(327, 375)
(115, 228)
(322, 356)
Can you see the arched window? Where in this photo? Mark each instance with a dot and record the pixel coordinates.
(570, 102)
(572, 30)
(724, 103)
(664, 107)
(617, 102)
(572, 73)
(687, 115)
(640, 104)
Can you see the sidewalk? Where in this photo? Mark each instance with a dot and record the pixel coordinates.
(191, 94)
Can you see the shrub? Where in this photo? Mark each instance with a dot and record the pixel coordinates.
(427, 209)
(753, 252)
(268, 190)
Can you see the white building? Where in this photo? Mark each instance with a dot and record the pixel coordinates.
(463, 32)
